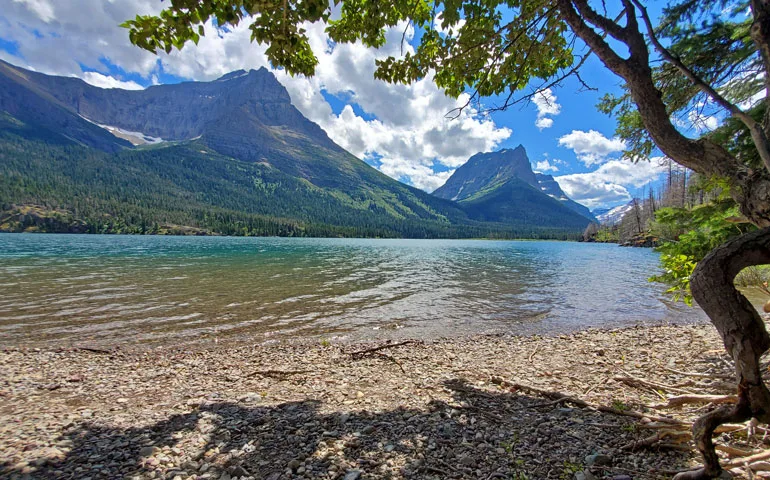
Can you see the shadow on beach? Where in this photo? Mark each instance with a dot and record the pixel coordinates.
(477, 435)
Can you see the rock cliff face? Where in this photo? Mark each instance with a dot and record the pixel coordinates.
(484, 170)
(502, 184)
(185, 110)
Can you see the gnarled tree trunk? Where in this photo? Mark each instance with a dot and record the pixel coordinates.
(744, 335)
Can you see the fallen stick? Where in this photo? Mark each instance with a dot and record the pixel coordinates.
(701, 375)
(277, 373)
(739, 462)
(680, 400)
(735, 452)
(582, 403)
(637, 382)
(381, 347)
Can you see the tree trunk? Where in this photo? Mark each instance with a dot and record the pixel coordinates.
(744, 335)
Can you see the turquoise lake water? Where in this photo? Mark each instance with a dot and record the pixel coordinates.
(73, 289)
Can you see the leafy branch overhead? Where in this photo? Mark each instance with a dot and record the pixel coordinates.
(478, 47)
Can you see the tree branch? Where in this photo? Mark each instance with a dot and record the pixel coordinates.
(613, 29)
(757, 133)
(595, 42)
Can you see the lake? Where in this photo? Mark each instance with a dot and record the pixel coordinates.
(101, 289)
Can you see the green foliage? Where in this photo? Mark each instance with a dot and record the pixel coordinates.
(499, 46)
(570, 469)
(688, 235)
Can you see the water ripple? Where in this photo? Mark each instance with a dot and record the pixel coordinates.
(121, 289)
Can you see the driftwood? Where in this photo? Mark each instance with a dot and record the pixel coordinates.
(638, 382)
(582, 403)
(102, 351)
(369, 351)
(680, 400)
(278, 373)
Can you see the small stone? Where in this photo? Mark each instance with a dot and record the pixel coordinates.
(239, 471)
(367, 429)
(585, 475)
(598, 459)
(294, 464)
(353, 475)
(148, 451)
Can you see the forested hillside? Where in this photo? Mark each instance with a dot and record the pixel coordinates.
(48, 183)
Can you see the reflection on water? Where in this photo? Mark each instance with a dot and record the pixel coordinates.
(134, 289)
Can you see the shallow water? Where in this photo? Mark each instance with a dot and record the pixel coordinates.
(71, 289)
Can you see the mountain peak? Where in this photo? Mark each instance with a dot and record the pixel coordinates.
(242, 73)
(485, 169)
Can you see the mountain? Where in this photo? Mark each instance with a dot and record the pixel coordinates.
(230, 156)
(501, 186)
(613, 216)
(487, 169)
(551, 187)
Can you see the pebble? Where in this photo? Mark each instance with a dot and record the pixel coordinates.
(597, 459)
(353, 475)
(183, 419)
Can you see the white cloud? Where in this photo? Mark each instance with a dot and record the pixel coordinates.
(546, 104)
(105, 81)
(702, 123)
(609, 183)
(546, 166)
(591, 147)
(404, 126)
(42, 8)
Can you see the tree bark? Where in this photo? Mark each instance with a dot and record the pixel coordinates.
(743, 332)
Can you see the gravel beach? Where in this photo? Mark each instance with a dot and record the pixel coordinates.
(476, 407)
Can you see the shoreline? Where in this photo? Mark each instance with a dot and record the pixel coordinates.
(469, 407)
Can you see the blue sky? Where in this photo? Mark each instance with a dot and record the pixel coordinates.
(400, 130)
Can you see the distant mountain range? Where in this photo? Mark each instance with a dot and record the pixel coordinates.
(613, 216)
(232, 156)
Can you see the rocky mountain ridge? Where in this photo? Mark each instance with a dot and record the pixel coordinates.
(485, 172)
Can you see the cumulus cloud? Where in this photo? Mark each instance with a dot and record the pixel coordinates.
(610, 182)
(105, 81)
(57, 37)
(42, 8)
(403, 127)
(546, 104)
(546, 166)
(591, 147)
